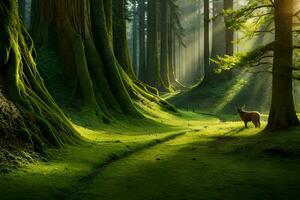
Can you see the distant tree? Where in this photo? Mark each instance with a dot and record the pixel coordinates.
(228, 4)
(152, 72)
(120, 42)
(164, 59)
(142, 34)
(207, 69)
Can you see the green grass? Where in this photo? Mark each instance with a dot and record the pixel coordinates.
(213, 160)
(222, 161)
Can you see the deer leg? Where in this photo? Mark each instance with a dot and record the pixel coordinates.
(246, 124)
(255, 124)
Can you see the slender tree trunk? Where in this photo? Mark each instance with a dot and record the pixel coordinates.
(218, 32)
(282, 113)
(135, 41)
(152, 72)
(164, 60)
(120, 41)
(142, 61)
(207, 70)
(228, 4)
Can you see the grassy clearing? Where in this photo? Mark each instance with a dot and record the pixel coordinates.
(62, 170)
(221, 161)
(215, 159)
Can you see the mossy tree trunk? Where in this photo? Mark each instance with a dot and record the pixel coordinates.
(92, 42)
(282, 113)
(42, 121)
(164, 58)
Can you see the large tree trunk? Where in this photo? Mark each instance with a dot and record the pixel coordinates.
(282, 113)
(43, 122)
(95, 47)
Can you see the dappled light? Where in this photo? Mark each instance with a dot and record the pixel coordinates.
(149, 99)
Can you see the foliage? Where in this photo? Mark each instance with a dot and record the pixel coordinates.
(257, 57)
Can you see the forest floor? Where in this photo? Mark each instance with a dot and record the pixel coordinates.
(194, 156)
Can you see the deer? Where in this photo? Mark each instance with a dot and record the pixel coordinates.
(248, 116)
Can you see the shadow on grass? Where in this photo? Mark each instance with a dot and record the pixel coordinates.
(204, 169)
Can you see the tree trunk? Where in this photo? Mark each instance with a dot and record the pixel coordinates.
(228, 4)
(207, 70)
(152, 72)
(93, 46)
(282, 113)
(164, 60)
(218, 32)
(142, 61)
(42, 121)
(121, 50)
(135, 41)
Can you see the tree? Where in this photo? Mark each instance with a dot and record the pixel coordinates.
(142, 53)
(134, 39)
(267, 14)
(92, 43)
(228, 4)
(164, 59)
(282, 113)
(121, 50)
(152, 73)
(207, 70)
(41, 122)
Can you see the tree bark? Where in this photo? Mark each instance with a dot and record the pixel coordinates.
(152, 72)
(135, 40)
(164, 60)
(43, 123)
(207, 70)
(142, 61)
(228, 4)
(282, 113)
(120, 41)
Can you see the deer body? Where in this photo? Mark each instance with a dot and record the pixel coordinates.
(249, 116)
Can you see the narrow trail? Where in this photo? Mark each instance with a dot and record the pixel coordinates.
(85, 182)
(191, 165)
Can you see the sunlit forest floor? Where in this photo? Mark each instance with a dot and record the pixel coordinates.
(193, 156)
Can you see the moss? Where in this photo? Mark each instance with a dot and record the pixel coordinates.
(25, 87)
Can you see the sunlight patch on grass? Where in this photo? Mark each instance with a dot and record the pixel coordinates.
(232, 92)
